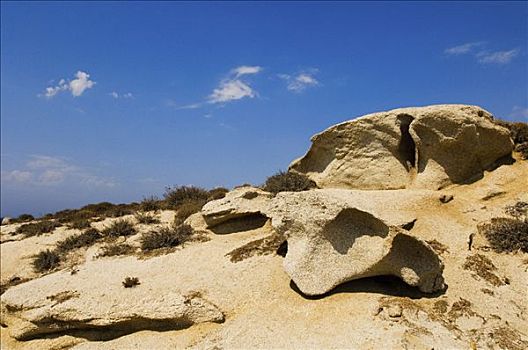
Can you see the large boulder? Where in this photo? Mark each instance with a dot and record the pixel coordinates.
(421, 147)
(332, 241)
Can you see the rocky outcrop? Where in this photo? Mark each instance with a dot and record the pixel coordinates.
(331, 242)
(241, 202)
(424, 147)
(40, 307)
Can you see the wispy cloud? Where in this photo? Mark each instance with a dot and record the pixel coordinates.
(229, 89)
(48, 170)
(519, 113)
(243, 70)
(497, 57)
(477, 49)
(464, 48)
(117, 95)
(301, 81)
(76, 86)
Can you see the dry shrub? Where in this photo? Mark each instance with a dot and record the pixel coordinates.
(145, 218)
(217, 193)
(130, 282)
(85, 239)
(79, 224)
(46, 260)
(37, 228)
(120, 228)
(166, 237)
(175, 196)
(484, 268)
(116, 249)
(287, 181)
(151, 203)
(187, 209)
(506, 234)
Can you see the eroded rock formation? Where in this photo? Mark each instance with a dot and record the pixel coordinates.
(422, 147)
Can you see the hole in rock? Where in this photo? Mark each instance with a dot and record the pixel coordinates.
(406, 146)
(242, 223)
(386, 285)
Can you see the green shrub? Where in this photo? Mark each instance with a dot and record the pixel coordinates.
(287, 181)
(217, 193)
(46, 260)
(118, 228)
(151, 203)
(144, 218)
(187, 209)
(37, 228)
(130, 282)
(116, 249)
(84, 239)
(175, 196)
(506, 234)
(166, 237)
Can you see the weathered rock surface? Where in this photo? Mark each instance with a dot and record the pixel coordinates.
(38, 308)
(241, 202)
(422, 147)
(331, 242)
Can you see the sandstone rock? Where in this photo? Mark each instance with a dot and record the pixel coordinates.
(240, 202)
(6, 220)
(423, 147)
(331, 242)
(36, 308)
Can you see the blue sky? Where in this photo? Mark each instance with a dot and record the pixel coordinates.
(114, 101)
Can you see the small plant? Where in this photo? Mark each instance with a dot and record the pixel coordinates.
(37, 228)
(217, 193)
(115, 249)
(24, 218)
(130, 282)
(144, 218)
(522, 148)
(506, 234)
(166, 237)
(187, 209)
(150, 204)
(84, 239)
(46, 260)
(518, 209)
(287, 181)
(175, 196)
(119, 228)
(79, 224)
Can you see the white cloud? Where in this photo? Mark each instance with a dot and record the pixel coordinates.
(230, 90)
(76, 86)
(498, 57)
(114, 94)
(300, 82)
(83, 82)
(52, 176)
(463, 49)
(243, 70)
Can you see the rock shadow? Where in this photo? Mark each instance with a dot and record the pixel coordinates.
(242, 223)
(385, 285)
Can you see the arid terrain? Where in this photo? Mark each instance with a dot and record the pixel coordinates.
(400, 229)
